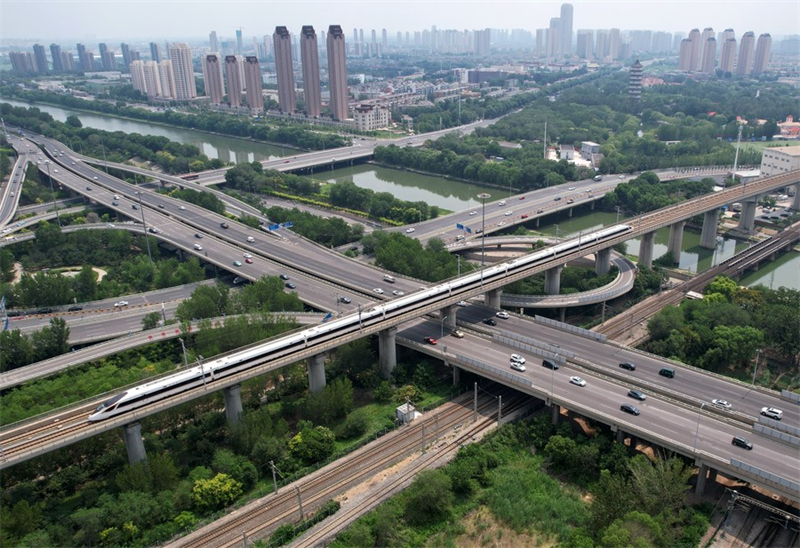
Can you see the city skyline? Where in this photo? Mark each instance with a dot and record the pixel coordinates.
(90, 21)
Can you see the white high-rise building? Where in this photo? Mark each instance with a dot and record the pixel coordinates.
(137, 76)
(152, 82)
(181, 57)
(167, 78)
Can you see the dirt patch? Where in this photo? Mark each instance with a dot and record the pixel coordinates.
(19, 271)
(481, 530)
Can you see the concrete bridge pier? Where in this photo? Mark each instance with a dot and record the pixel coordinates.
(700, 486)
(555, 411)
(233, 402)
(796, 200)
(570, 212)
(602, 262)
(134, 442)
(747, 218)
(456, 375)
(708, 238)
(388, 351)
(449, 314)
(646, 249)
(316, 373)
(620, 436)
(676, 240)
(562, 314)
(552, 280)
(493, 298)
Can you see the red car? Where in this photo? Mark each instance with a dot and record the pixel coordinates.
(430, 340)
(249, 260)
(522, 197)
(524, 216)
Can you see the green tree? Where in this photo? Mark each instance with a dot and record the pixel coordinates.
(722, 285)
(239, 468)
(430, 498)
(312, 445)
(215, 493)
(659, 485)
(84, 285)
(50, 341)
(74, 121)
(150, 320)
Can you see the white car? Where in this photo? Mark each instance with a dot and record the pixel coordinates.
(501, 223)
(571, 188)
(722, 403)
(517, 358)
(577, 380)
(398, 293)
(378, 290)
(182, 208)
(503, 315)
(198, 247)
(250, 239)
(517, 366)
(116, 196)
(247, 256)
(120, 304)
(501, 203)
(410, 230)
(95, 177)
(508, 213)
(473, 213)
(772, 413)
(462, 303)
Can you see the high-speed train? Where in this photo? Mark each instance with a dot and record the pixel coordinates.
(235, 362)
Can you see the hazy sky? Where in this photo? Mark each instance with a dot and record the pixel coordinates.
(114, 20)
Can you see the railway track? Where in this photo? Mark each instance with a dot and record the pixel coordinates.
(261, 516)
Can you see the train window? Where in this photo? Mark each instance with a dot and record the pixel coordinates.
(110, 402)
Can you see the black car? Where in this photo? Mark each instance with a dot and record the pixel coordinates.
(550, 364)
(345, 300)
(290, 285)
(134, 206)
(75, 308)
(116, 203)
(198, 235)
(628, 365)
(628, 408)
(739, 441)
(637, 395)
(557, 199)
(284, 276)
(223, 225)
(490, 321)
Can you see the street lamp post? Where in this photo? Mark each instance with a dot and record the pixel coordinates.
(183, 346)
(200, 359)
(483, 197)
(697, 430)
(338, 313)
(755, 371)
(53, 192)
(556, 233)
(553, 377)
(441, 334)
(144, 224)
(459, 265)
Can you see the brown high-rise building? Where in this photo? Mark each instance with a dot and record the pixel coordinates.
(309, 55)
(763, 48)
(709, 56)
(234, 78)
(745, 61)
(694, 55)
(212, 78)
(253, 83)
(685, 56)
(728, 56)
(708, 32)
(285, 71)
(337, 73)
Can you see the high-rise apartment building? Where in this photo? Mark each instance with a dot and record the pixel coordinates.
(708, 32)
(239, 45)
(181, 57)
(745, 61)
(22, 61)
(727, 58)
(55, 53)
(107, 58)
(585, 48)
(252, 77)
(685, 55)
(81, 49)
(566, 29)
(213, 42)
(67, 61)
(126, 55)
(155, 52)
(167, 78)
(284, 69)
(553, 47)
(337, 73)
(233, 77)
(137, 76)
(601, 45)
(763, 49)
(483, 42)
(309, 56)
(694, 54)
(152, 80)
(614, 44)
(709, 56)
(212, 78)
(40, 55)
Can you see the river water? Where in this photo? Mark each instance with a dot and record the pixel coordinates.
(445, 193)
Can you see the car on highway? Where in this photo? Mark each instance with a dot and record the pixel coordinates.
(160, 206)
(628, 408)
(739, 441)
(517, 358)
(430, 340)
(501, 223)
(237, 263)
(523, 216)
(248, 260)
(549, 364)
(398, 293)
(557, 199)
(95, 177)
(76, 308)
(628, 365)
(182, 208)
(637, 395)
(410, 230)
(772, 413)
(577, 380)
(522, 197)
(490, 321)
(345, 300)
(250, 239)
(540, 210)
(198, 247)
(134, 206)
(517, 366)
(461, 303)
(116, 196)
(284, 276)
(247, 256)
(570, 201)
(457, 333)
(290, 285)
(120, 304)
(88, 188)
(115, 203)
(501, 203)
(473, 213)
(377, 290)
(508, 213)
(722, 403)
(153, 230)
(223, 225)
(503, 315)
(571, 188)
(198, 235)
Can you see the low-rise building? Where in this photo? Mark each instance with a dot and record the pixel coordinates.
(588, 149)
(776, 160)
(371, 117)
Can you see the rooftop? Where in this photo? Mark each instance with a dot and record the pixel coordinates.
(790, 151)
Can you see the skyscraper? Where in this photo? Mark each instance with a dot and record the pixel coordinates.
(483, 42)
(708, 32)
(337, 73)
(213, 43)
(67, 61)
(126, 55)
(233, 76)
(554, 37)
(709, 56)
(614, 44)
(152, 80)
(212, 78)
(763, 49)
(309, 55)
(252, 76)
(55, 53)
(40, 55)
(107, 58)
(166, 77)
(239, 45)
(585, 48)
(685, 55)
(137, 76)
(155, 52)
(181, 57)
(566, 29)
(284, 69)
(745, 61)
(728, 56)
(694, 55)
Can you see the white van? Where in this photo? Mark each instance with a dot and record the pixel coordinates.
(387, 278)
